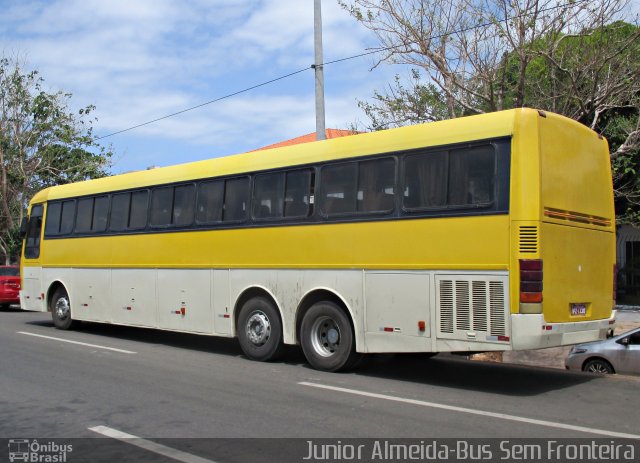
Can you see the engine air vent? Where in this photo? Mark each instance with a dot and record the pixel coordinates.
(528, 239)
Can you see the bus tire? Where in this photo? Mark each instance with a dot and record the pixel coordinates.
(260, 330)
(327, 338)
(61, 310)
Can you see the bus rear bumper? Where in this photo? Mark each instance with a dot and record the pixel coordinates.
(530, 331)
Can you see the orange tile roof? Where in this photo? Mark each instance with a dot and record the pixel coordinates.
(330, 133)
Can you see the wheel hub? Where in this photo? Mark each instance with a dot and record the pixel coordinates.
(62, 308)
(325, 336)
(258, 328)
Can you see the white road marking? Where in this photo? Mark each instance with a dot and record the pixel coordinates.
(502, 416)
(149, 445)
(122, 351)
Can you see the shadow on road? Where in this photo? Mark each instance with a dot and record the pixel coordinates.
(444, 370)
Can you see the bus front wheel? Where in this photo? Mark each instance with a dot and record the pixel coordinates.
(61, 310)
(327, 338)
(260, 330)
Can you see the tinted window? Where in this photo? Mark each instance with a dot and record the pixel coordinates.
(268, 196)
(456, 178)
(161, 206)
(338, 187)
(32, 238)
(183, 205)
(297, 197)
(67, 217)
(376, 185)
(138, 212)
(210, 200)
(100, 213)
(471, 176)
(52, 225)
(119, 219)
(84, 216)
(236, 197)
(365, 187)
(425, 181)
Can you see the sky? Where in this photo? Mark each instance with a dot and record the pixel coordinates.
(138, 60)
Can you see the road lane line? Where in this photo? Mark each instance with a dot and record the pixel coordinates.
(122, 351)
(502, 416)
(149, 445)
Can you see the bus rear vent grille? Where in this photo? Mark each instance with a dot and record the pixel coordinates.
(467, 305)
(528, 240)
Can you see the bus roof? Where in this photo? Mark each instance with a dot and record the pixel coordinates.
(485, 126)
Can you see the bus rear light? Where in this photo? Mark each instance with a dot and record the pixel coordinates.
(531, 287)
(531, 281)
(531, 264)
(530, 298)
(530, 275)
(422, 326)
(503, 338)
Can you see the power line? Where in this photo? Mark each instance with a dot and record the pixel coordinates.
(206, 103)
(359, 55)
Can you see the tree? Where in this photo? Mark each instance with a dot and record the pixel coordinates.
(577, 58)
(42, 143)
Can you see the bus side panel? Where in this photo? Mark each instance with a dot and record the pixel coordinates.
(578, 269)
(91, 294)
(31, 290)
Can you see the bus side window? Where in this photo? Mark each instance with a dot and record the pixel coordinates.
(236, 197)
(472, 176)
(84, 216)
(209, 204)
(119, 218)
(376, 185)
(100, 211)
(297, 193)
(338, 188)
(425, 180)
(183, 204)
(268, 196)
(67, 217)
(161, 206)
(138, 211)
(52, 223)
(34, 228)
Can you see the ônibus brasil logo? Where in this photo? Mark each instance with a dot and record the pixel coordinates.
(34, 452)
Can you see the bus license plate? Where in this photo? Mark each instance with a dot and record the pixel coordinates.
(578, 310)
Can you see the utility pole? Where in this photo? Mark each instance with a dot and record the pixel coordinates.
(317, 28)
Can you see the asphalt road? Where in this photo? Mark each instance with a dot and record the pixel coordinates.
(162, 386)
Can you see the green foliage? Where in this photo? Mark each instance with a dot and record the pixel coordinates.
(42, 143)
(403, 104)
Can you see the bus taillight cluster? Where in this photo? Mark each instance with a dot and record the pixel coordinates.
(530, 281)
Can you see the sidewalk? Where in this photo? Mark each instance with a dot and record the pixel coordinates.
(626, 319)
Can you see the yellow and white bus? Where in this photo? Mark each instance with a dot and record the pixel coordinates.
(486, 233)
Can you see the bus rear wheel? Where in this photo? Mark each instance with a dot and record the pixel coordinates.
(260, 330)
(61, 310)
(327, 338)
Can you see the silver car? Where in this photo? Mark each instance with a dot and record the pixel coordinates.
(620, 354)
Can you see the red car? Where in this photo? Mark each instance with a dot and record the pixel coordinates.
(9, 286)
